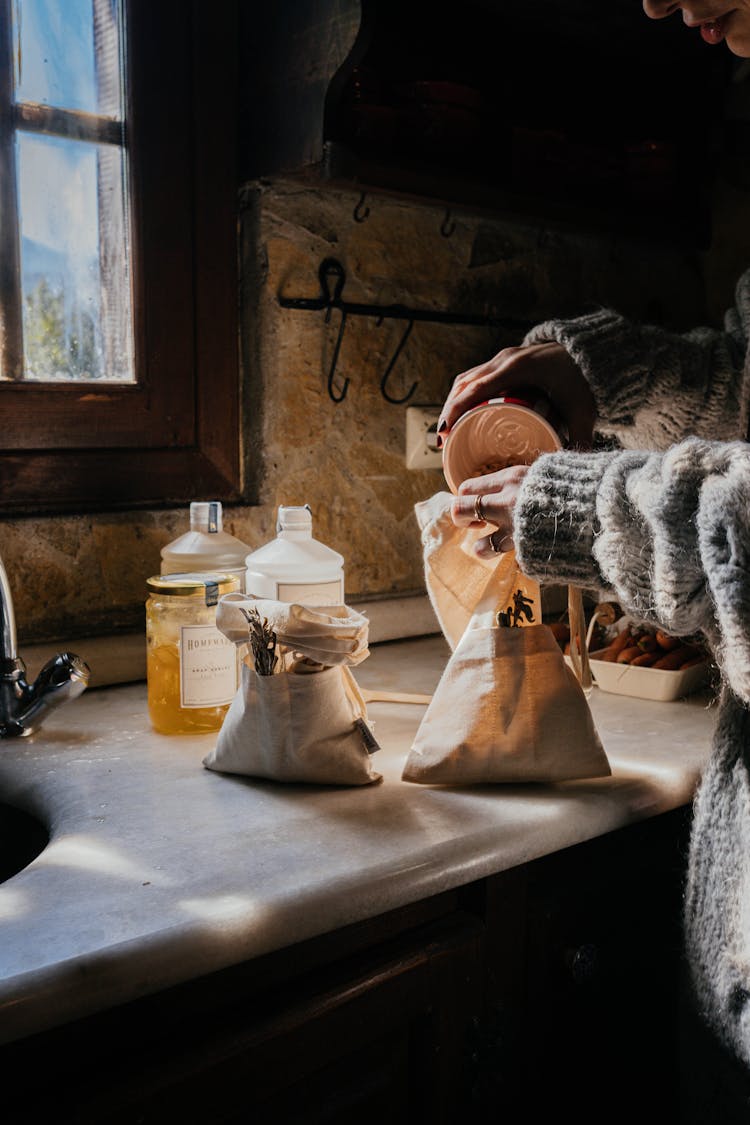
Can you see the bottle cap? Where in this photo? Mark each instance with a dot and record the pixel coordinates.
(293, 517)
(205, 515)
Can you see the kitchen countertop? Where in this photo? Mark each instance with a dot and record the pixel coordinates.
(159, 871)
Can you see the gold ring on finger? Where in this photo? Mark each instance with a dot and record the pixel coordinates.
(478, 510)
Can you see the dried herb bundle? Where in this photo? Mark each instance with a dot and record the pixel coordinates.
(262, 641)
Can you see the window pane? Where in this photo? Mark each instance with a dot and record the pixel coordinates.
(66, 54)
(74, 260)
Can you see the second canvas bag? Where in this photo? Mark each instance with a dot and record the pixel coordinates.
(508, 707)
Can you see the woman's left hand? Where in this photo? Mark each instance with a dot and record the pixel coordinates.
(498, 492)
(545, 367)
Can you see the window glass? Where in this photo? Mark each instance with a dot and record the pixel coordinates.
(66, 54)
(68, 314)
(74, 265)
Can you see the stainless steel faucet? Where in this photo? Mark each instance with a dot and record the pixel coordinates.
(23, 706)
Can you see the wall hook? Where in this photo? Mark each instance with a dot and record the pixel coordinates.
(330, 269)
(360, 211)
(332, 277)
(337, 396)
(386, 374)
(448, 225)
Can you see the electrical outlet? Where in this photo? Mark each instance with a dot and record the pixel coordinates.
(421, 437)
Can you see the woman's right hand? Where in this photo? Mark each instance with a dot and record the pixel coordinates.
(547, 367)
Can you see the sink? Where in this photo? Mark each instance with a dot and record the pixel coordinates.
(22, 838)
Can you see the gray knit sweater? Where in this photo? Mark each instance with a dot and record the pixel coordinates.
(663, 526)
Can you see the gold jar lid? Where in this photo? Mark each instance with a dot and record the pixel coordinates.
(185, 585)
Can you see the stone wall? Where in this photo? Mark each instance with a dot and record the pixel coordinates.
(80, 575)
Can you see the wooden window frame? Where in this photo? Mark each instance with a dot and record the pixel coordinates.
(174, 434)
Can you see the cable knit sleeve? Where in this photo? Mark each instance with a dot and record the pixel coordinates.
(653, 387)
(666, 534)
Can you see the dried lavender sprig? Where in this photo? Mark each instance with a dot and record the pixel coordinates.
(262, 642)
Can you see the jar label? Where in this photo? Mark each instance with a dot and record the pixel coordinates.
(311, 593)
(208, 667)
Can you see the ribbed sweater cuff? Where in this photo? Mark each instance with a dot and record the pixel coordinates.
(555, 518)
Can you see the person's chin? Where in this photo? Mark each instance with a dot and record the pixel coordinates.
(737, 32)
(739, 43)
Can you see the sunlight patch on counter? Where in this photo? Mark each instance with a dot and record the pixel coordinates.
(13, 903)
(221, 908)
(90, 854)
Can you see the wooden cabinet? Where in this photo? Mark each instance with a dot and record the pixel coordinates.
(544, 989)
(604, 962)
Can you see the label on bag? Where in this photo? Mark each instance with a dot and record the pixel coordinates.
(208, 667)
(368, 736)
(311, 593)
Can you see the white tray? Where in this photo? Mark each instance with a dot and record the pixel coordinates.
(649, 683)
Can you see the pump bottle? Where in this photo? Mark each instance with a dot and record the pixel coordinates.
(294, 567)
(206, 547)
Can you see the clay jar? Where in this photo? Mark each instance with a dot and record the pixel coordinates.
(512, 430)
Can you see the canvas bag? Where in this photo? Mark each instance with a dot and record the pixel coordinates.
(508, 708)
(307, 722)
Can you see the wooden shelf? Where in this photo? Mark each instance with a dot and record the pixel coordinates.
(436, 185)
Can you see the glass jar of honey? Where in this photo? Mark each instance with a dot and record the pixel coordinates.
(191, 667)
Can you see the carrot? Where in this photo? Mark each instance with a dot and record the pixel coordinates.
(621, 641)
(605, 654)
(626, 655)
(675, 659)
(700, 659)
(645, 660)
(665, 641)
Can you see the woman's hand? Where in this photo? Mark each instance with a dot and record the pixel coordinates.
(547, 367)
(499, 493)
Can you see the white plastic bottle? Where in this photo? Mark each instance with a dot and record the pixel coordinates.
(206, 547)
(294, 567)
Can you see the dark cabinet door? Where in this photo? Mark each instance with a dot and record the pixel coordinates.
(604, 969)
(379, 1036)
(386, 1042)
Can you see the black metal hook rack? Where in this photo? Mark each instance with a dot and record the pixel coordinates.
(332, 277)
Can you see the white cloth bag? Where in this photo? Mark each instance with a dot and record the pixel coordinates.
(305, 724)
(508, 708)
(332, 634)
